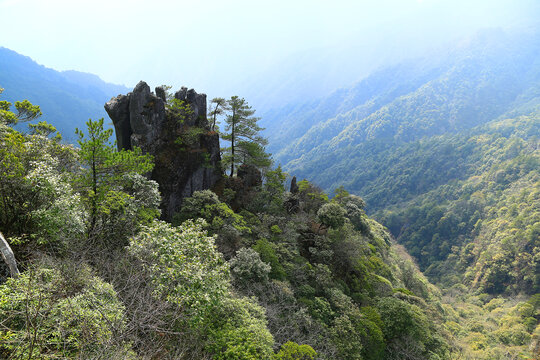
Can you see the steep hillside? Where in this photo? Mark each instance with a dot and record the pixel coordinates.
(308, 124)
(285, 275)
(67, 99)
(413, 158)
(479, 224)
(491, 75)
(445, 153)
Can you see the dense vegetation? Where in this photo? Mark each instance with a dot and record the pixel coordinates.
(479, 219)
(285, 275)
(477, 231)
(445, 153)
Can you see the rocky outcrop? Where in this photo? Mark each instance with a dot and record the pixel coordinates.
(245, 187)
(186, 153)
(292, 201)
(250, 175)
(294, 187)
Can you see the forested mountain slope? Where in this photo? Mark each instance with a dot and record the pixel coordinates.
(479, 80)
(430, 144)
(480, 223)
(67, 99)
(445, 153)
(246, 271)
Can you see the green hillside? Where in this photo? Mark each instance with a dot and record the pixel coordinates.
(422, 241)
(285, 275)
(474, 83)
(489, 211)
(418, 159)
(445, 153)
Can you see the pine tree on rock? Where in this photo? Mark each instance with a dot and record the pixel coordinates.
(241, 129)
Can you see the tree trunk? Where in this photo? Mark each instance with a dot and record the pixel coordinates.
(8, 256)
(232, 142)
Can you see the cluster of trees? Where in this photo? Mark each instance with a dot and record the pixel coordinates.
(326, 274)
(102, 277)
(478, 235)
(489, 327)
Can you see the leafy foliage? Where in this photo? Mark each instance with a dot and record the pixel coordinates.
(102, 177)
(446, 156)
(319, 279)
(64, 312)
(331, 215)
(26, 111)
(486, 219)
(239, 331)
(247, 267)
(184, 265)
(292, 351)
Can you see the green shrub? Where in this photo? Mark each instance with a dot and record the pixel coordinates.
(184, 265)
(238, 331)
(292, 351)
(247, 267)
(401, 318)
(331, 215)
(65, 312)
(268, 255)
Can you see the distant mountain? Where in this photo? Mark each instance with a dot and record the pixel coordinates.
(67, 99)
(479, 80)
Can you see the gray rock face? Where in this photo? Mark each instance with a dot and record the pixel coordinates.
(161, 93)
(197, 103)
(118, 108)
(186, 153)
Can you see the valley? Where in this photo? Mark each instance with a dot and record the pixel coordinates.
(398, 218)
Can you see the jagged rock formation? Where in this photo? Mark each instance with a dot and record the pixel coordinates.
(186, 153)
(294, 186)
(292, 202)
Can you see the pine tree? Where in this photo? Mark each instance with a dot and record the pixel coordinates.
(241, 129)
(216, 108)
(103, 170)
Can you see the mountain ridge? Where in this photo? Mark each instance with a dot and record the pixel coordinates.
(67, 98)
(333, 119)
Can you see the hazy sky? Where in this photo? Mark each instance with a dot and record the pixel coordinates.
(211, 45)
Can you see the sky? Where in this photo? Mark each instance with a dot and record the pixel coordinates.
(216, 46)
